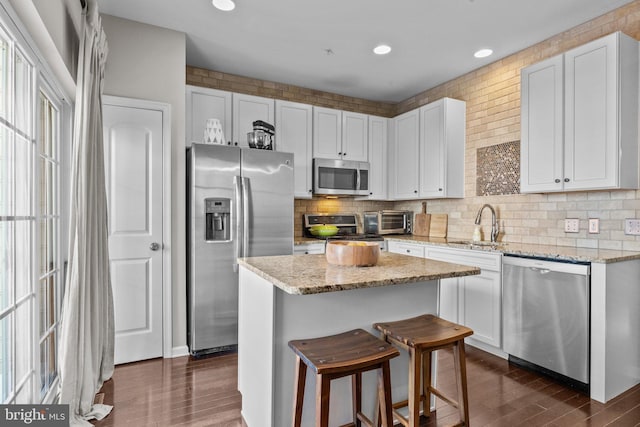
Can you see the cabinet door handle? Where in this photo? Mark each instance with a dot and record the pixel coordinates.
(557, 180)
(439, 189)
(415, 191)
(566, 180)
(344, 154)
(340, 153)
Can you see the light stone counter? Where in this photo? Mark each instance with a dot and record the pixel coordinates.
(561, 253)
(311, 274)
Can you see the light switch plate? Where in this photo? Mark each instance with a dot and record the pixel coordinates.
(594, 225)
(571, 225)
(632, 227)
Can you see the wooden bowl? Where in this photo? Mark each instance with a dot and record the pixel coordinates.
(352, 253)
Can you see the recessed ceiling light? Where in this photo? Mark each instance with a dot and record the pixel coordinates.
(382, 49)
(225, 5)
(483, 53)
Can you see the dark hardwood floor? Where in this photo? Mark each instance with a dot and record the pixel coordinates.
(202, 392)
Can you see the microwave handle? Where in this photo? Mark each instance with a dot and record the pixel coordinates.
(357, 179)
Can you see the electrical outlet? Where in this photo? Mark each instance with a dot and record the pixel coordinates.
(632, 227)
(594, 225)
(571, 225)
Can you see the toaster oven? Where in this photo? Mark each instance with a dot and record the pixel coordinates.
(387, 222)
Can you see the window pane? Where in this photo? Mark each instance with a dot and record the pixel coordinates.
(23, 255)
(47, 303)
(6, 172)
(45, 142)
(47, 246)
(7, 257)
(24, 337)
(43, 297)
(23, 94)
(23, 177)
(49, 170)
(6, 378)
(48, 127)
(24, 396)
(4, 78)
(47, 364)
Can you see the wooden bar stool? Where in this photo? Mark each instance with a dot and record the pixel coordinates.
(336, 356)
(420, 336)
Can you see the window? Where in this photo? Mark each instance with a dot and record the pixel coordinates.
(30, 273)
(49, 229)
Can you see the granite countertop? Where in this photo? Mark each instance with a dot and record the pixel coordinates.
(311, 274)
(306, 240)
(564, 253)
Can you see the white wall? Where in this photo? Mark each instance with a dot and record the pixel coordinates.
(149, 62)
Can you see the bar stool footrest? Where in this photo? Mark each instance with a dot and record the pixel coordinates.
(445, 398)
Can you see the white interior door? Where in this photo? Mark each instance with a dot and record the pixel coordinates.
(133, 139)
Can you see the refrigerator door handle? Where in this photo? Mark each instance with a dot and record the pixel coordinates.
(245, 217)
(238, 238)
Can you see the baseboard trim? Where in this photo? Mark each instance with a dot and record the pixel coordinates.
(179, 351)
(486, 347)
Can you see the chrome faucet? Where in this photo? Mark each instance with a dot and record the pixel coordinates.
(494, 221)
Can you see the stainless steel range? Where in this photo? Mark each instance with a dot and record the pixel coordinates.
(347, 227)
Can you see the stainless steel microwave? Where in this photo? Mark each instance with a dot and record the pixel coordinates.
(340, 177)
(387, 222)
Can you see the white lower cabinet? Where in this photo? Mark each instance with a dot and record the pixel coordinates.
(308, 248)
(405, 248)
(473, 301)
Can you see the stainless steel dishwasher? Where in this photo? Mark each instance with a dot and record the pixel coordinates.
(546, 317)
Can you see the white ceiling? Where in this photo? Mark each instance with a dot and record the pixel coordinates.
(286, 40)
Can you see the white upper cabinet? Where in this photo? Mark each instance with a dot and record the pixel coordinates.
(294, 135)
(442, 137)
(203, 104)
(542, 126)
(591, 143)
(246, 110)
(339, 135)
(427, 159)
(378, 158)
(355, 136)
(404, 178)
(327, 133)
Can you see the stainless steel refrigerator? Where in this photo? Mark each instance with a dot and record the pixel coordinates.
(239, 204)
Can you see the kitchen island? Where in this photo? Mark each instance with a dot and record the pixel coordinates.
(300, 296)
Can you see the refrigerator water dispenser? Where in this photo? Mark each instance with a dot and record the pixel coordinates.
(218, 219)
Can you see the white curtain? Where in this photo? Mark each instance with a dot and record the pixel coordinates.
(87, 326)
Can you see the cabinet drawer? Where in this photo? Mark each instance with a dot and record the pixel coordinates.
(412, 249)
(308, 249)
(484, 260)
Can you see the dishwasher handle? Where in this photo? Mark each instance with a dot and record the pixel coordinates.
(540, 270)
(551, 266)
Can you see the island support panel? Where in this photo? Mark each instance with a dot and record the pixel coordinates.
(270, 317)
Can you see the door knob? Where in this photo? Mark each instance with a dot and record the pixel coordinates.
(154, 246)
